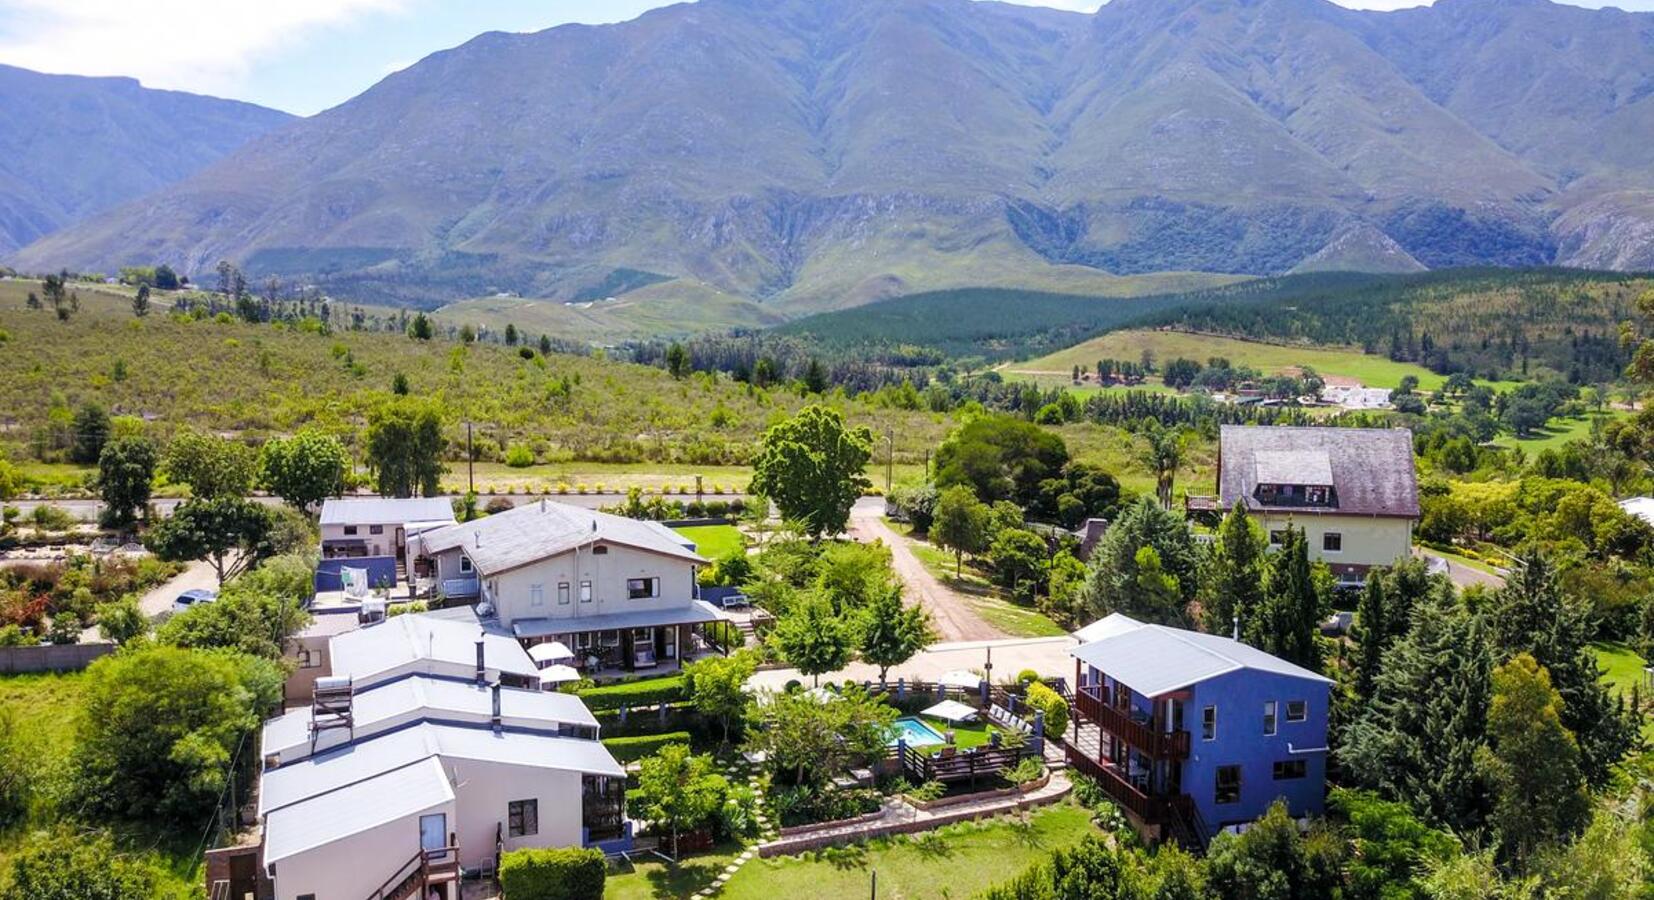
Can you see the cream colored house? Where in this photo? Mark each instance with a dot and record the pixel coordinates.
(1353, 491)
(620, 593)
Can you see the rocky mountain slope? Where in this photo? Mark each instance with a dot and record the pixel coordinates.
(813, 154)
(73, 147)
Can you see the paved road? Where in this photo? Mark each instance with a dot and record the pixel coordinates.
(950, 611)
(1463, 576)
(198, 575)
(1047, 656)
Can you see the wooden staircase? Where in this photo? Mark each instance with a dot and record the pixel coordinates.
(416, 877)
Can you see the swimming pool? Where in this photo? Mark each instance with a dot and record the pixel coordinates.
(916, 733)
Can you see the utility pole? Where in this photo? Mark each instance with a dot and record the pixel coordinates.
(889, 457)
(470, 462)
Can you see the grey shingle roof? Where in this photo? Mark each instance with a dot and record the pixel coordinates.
(1371, 468)
(544, 529)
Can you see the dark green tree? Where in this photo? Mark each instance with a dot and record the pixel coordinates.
(165, 278)
(140, 301)
(1004, 458)
(1272, 861)
(1389, 846)
(815, 378)
(126, 475)
(1112, 578)
(812, 639)
(1233, 575)
(677, 360)
(1287, 624)
(1417, 740)
(891, 632)
(233, 534)
(811, 466)
(66, 864)
(91, 433)
(960, 523)
(214, 467)
(1019, 558)
(404, 446)
(545, 345)
(1532, 763)
(420, 329)
(1371, 633)
(1531, 615)
(306, 468)
(510, 335)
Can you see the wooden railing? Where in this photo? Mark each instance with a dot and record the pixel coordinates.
(971, 765)
(1158, 744)
(1120, 790)
(414, 875)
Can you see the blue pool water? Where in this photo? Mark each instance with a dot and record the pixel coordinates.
(916, 733)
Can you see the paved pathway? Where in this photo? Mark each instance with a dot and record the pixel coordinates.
(950, 611)
(1463, 576)
(1048, 656)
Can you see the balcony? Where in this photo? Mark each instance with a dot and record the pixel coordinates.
(1172, 745)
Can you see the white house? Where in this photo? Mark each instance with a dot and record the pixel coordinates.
(410, 769)
(621, 593)
(355, 527)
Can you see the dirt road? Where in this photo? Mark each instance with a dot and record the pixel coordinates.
(950, 612)
(196, 575)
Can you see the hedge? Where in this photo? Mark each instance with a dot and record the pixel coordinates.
(630, 749)
(1054, 706)
(642, 692)
(565, 873)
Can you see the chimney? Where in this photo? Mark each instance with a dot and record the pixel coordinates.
(482, 666)
(478, 536)
(1236, 634)
(495, 689)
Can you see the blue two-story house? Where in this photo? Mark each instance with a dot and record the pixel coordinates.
(1193, 733)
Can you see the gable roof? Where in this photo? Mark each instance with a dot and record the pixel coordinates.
(430, 644)
(1157, 659)
(399, 703)
(356, 808)
(360, 761)
(1370, 469)
(383, 510)
(543, 529)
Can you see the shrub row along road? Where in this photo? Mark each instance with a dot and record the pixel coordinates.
(950, 611)
(87, 510)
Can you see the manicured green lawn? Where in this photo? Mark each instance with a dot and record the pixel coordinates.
(958, 861)
(1623, 669)
(715, 541)
(656, 880)
(965, 734)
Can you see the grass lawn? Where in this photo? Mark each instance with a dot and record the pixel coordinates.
(958, 861)
(983, 595)
(965, 734)
(1371, 369)
(715, 541)
(1623, 668)
(656, 880)
(41, 708)
(1557, 432)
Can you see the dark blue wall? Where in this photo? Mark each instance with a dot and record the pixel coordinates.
(381, 571)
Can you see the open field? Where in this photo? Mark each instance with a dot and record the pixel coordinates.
(1349, 362)
(675, 308)
(956, 861)
(1558, 431)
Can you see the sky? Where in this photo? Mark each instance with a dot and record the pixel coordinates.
(304, 56)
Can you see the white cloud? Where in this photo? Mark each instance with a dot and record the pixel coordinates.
(199, 45)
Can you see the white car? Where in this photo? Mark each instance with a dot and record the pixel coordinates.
(191, 599)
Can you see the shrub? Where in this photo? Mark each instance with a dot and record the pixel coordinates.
(631, 749)
(553, 874)
(499, 505)
(1030, 769)
(1027, 677)
(1052, 704)
(519, 456)
(642, 692)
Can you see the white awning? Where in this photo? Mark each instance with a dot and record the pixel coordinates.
(558, 674)
(961, 678)
(550, 652)
(951, 711)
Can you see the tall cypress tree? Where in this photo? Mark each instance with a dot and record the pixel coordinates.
(1417, 739)
(1531, 615)
(1288, 619)
(1234, 572)
(1371, 633)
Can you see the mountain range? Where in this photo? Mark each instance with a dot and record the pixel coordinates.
(815, 154)
(73, 147)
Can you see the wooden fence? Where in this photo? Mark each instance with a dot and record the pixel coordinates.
(968, 765)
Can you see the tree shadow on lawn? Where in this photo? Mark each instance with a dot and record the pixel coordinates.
(846, 857)
(687, 877)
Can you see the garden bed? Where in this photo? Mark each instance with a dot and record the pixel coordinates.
(970, 796)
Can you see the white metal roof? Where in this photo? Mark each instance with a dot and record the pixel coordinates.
(1156, 659)
(420, 698)
(543, 529)
(1108, 626)
(421, 643)
(362, 760)
(396, 794)
(386, 510)
(1641, 507)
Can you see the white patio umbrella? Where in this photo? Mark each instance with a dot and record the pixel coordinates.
(558, 674)
(550, 652)
(951, 711)
(961, 678)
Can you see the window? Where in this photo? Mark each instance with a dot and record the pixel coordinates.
(310, 659)
(376, 529)
(585, 592)
(1209, 723)
(1269, 717)
(1277, 538)
(1297, 710)
(465, 564)
(1228, 785)
(563, 594)
(1290, 770)
(1315, 496)
(1332, 542)
(523, 818)
(537, 595)
(639, 588)
(350, 531)
(600, 550)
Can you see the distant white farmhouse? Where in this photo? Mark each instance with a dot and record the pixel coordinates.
(619, 592)
(1641, 507)
(415, 764)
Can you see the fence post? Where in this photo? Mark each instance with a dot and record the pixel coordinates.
(901, 688)
(623, 714)
(983, 688)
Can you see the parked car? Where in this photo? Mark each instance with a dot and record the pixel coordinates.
(191, 598)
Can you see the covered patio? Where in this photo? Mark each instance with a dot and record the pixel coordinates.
(654, 641)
